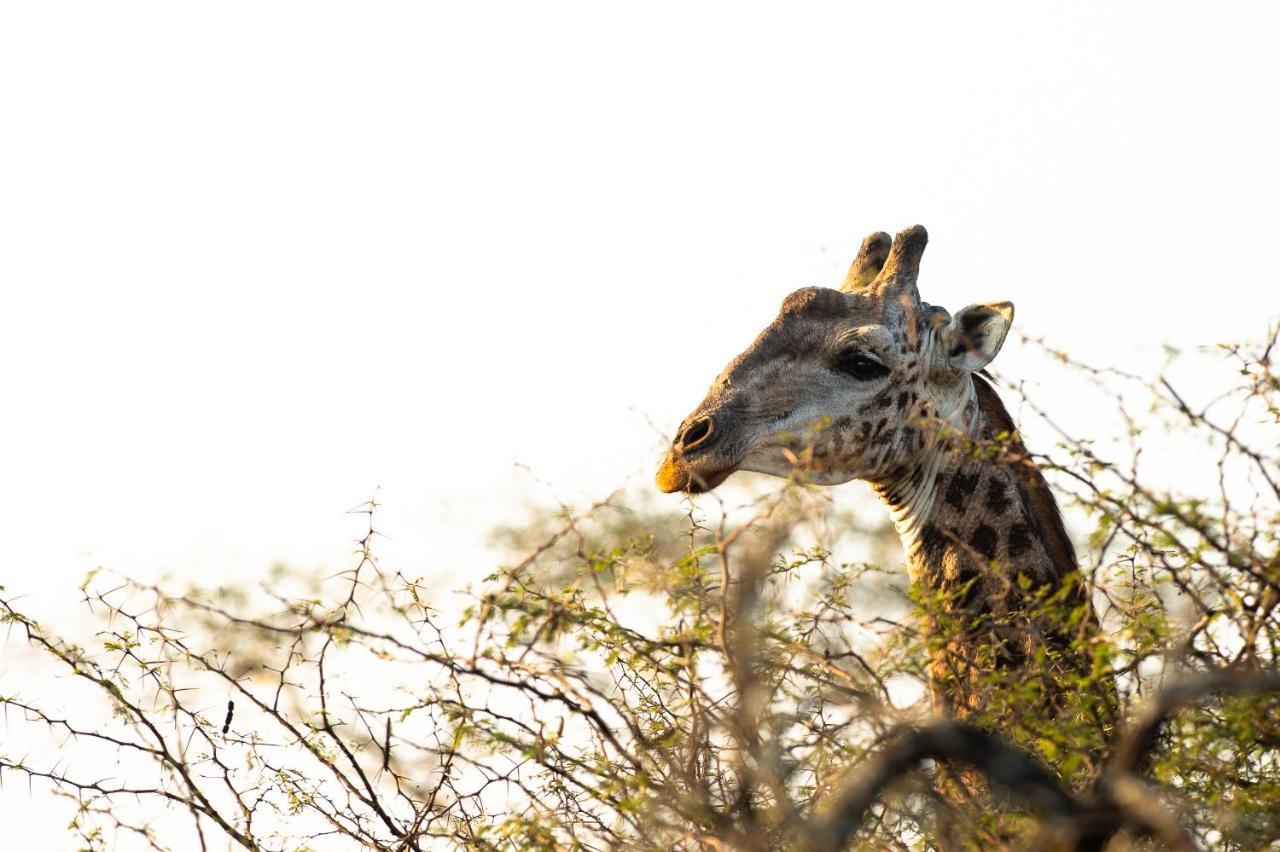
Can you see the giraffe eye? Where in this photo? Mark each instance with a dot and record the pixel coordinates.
(861, 367)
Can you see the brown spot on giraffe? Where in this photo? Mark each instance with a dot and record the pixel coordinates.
(1018, 540)
(997, 499)
(985, 541)
(961, 487)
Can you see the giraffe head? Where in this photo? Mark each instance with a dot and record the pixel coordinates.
(843, 384)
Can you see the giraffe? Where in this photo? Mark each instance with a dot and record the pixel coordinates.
(869, 382)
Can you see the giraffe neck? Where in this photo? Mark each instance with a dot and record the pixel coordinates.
(963, 505)
(972, 524)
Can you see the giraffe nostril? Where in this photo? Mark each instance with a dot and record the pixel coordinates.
(697, 433)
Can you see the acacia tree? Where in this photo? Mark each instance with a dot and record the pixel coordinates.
(713, 677)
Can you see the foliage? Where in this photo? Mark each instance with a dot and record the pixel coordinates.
(716, 678)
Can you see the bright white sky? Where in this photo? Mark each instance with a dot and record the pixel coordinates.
(258, 259)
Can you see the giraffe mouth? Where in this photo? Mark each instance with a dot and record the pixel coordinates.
(677, 474)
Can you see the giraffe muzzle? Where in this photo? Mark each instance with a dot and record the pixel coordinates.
(692, 464)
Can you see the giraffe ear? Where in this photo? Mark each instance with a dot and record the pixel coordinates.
(976, 334)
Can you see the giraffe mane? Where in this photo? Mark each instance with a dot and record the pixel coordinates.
(1045, 514)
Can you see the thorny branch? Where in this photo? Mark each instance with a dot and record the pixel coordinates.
(708, 679)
